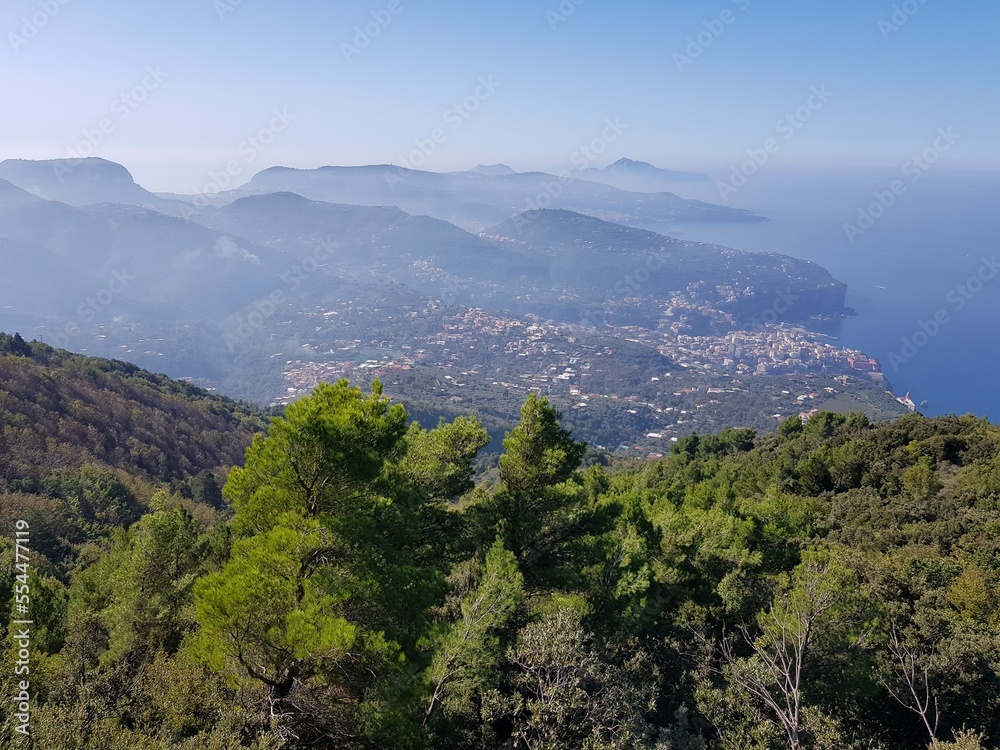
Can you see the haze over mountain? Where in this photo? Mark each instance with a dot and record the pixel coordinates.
(473, 200)
(37, 282)
(381, 244)
(78, 182)
(213, 261)
(234, 294)
(152, 259)
(549, 262)
(598, 260)
(638, 176)
(55, 264)
(493, 170)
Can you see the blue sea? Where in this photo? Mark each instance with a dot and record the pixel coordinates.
(921, 276)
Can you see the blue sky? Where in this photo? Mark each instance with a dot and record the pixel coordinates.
(557, 73)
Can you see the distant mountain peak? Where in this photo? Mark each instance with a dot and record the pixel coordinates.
(493, 170)
(641, 176)
(645, 168)
(277, 169)
(91, 168)
(624, 164)
(78, 182)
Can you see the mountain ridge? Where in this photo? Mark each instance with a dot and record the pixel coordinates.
(78, 182)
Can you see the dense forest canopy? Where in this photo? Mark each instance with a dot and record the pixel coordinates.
(349, 584)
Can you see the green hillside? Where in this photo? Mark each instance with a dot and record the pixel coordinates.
(835, 584)
(86, 444)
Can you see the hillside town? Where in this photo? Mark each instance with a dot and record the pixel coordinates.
(667, 382)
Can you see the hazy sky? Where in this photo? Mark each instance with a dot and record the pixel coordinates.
(180, 87)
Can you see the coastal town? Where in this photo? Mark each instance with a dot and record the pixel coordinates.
(635, 387)
(661, 380)
(562, 354)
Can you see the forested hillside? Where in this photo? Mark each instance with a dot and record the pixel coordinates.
(88, 445)
(833, 585)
